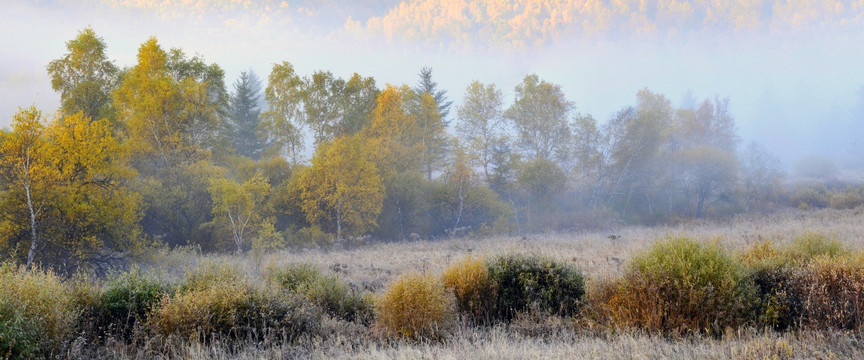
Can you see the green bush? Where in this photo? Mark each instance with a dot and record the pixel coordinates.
(38, 312)
(416, 306)
(334, 295)
(680, 287)
(532, 283)
(126, 302)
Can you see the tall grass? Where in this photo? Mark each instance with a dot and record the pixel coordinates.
(38, 312)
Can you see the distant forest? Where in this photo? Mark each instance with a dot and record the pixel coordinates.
(164, 154)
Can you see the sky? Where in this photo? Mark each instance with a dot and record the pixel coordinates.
(792, 69)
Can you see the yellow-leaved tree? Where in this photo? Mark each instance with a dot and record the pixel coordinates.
(342, 190)
(240, 209)
(65, 192)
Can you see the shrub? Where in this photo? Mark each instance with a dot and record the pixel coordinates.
(833, 294)
(217, 299)
(810, 245)
(809, 196)
(803, 249)
(846, 199)
(126, 302)
(679, 287)
(416, 306)
(532, 283)
(38, 312)
(469, 281)
(334, 295)
(783, 278)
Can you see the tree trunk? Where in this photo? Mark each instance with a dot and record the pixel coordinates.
(32, 253)
(339, 220)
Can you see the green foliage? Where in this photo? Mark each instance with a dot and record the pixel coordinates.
(535, 284)
(416, 306)
(85, 77)
(239, 209)
(539, 114)
(245, 115)
(334, 295)
(38, 312)
(126, 301)
(679, 287)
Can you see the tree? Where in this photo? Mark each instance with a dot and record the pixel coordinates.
(543, 181)
(638, 138)
(462, 179)
(481, 122)
(26, 170)
(281, 123)
(761, 178)
(705, 150)
(169, 108)
(245, 115)
(172, 112)
(539, 114)
(357, 102)
(433, 135)
(394, 134)
(67, 178)
(84, 77)
(322, 92)
(342, 190)
(426, 85)
(335, 108)
(239, 207)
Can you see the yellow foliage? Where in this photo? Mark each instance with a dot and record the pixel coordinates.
(416, 306)
(469, 281)
(342, 190)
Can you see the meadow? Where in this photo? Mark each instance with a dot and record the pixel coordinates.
(783, 285)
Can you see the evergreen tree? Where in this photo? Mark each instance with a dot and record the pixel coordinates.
(245, 115)
(426, 85)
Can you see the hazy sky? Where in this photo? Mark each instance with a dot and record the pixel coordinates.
(793, 70)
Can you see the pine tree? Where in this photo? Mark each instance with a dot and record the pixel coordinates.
(245, 115)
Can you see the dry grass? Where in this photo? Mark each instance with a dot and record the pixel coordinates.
(501, 343)
(602, 256)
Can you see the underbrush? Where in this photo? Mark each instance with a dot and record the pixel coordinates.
(678, 287)
(38, 312)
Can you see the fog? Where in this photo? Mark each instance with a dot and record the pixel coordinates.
(792, 72)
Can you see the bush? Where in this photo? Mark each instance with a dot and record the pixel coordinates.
(680, 287)
(783, 277)
(810, 245)
(334, 295)
(217, 299)
(38, 312)
(531, 283)
(809, 196)
(802, 250)
(126, 302)
(469, 281)
(833, 294)
(416, 306)
(846, 199)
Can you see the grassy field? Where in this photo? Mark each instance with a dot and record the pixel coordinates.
(603, 257)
